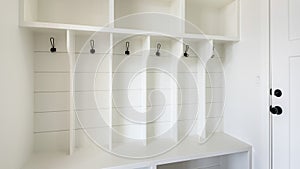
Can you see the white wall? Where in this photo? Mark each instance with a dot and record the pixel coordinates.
(16, 88)
(246, 102)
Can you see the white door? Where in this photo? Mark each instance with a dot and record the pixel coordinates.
(285, 68)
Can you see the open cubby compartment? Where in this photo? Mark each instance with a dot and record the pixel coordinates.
(191, 79)
(128, 90)
(92, 88)
(229, 161)
(162, 89)
(155, 15)
(52, 109)
(78, 12)
(212, 17)
(215, 89)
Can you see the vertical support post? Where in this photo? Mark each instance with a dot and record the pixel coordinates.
(146, 52)
(182, 15)
(110, 67)
(250, 158)
(111, 13)
(178, 50)
(71, 52)
(206, 51)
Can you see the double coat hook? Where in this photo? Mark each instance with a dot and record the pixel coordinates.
(52, 49)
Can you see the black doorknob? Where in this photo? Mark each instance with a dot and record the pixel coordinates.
(277, 110)
(278, 93)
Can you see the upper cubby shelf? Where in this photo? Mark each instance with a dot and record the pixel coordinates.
(212, 17)
(192, 19)
(155, 15)
(78, 12)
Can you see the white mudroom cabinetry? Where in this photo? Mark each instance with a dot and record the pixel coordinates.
(132, 78)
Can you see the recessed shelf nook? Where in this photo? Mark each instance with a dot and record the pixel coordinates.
(79, 12)
(124, 97)
(212, 17)
(155, 15)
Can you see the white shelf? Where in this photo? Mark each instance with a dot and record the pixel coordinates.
(81, 12)
(99, 21)
(154, 15)
(93, 158)
(212, 17)
(57, 26)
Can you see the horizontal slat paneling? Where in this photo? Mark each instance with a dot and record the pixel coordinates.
(53, 121)
(214, 109)
(56, 101)
(51, 62)
(93, 73)
(51, 82)
(215, 80)
(51, 141)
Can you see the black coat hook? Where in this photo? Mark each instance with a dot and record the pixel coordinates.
(127, 52)
(92, 43)
(187, 47)
(158, 49)
(52, 49)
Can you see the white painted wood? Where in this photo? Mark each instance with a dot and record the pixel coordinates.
(51, 121)
(87, 63)
(51, 62)
(111, 13)
(52, 142)
(55, 72)
(238, 160)
(102, 45)
(92, 12)
(59, 26)
(91, 81)
(137, 14)
(206, 163)
(54, 82)
(109, 117)
(215, 65)
(85, 98)
(190, 149)
(214, 110)
(91, 118)
(215, 95)
(71, 51)
(213, 125)
(89, 100)
(42, 41)
(294, 24)
(39, 14)
(212, 18)
(128, 89)
(44, 102)
(285, 54)
(215, 80)
(29, 9)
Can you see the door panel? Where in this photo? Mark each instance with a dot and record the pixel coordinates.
(285, 47)
(294, 21)
(294, 114)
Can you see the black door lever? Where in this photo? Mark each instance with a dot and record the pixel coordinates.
(277, 110)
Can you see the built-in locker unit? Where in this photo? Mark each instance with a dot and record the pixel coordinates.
(132, 83)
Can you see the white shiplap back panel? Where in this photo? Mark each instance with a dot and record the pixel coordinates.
(92, 88)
